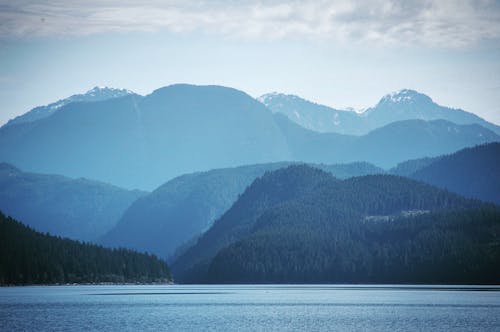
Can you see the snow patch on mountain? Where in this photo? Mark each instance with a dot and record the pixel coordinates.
(97, 93)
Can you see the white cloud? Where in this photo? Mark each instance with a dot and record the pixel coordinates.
(443, 23)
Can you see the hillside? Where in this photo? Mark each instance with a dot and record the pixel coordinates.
(30, 257)
(75, 208)
(181, 209)
(302, 225)
(472, 172)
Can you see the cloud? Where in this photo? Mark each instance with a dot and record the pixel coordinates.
(444, 23)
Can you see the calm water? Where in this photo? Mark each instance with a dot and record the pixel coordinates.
(249, 308)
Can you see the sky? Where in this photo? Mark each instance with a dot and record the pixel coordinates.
(338, 53)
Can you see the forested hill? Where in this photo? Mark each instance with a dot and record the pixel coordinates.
(30, 257)
(299, 225)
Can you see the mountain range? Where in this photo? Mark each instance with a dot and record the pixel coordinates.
(397, 106)
(140, 142)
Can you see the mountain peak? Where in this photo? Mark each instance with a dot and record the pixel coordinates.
(97, 93)
(269, 97)
(104, 91)
(404, 96)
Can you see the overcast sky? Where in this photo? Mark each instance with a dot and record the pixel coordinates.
(338, 53)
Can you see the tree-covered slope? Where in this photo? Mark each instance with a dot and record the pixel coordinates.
(457, 247)
(265, 192)
(183, 208)
(302, 225)
(30, 257)
(75, 208)
(472, 172)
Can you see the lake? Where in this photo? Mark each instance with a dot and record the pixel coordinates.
(249, 308)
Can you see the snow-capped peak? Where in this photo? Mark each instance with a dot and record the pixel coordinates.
(406, 96)
(97, 93)
(106, 91)
(269, 97)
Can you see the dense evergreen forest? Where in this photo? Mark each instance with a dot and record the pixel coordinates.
(300, 224)
(30, 257)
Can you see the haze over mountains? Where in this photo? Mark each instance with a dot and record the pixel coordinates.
(273, 191)
(141, 142)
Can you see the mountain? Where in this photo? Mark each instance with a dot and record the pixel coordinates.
(385, 146)
(397, 106)
(409, 104)
(29, 257)
(299, 224)
(183, 208)
(95, 94)
(76, 208)
(141, 142)
(472, 172)
(312, 116)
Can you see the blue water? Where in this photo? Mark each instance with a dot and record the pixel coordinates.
(249, 308)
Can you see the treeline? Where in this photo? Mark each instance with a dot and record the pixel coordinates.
(30, 257)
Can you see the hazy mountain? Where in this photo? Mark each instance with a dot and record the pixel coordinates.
(397, 106)
(140, 142)
(76, 208)
(300, 224)
(472, 172)
(29, 257)
(183, 208)
(386, 146)
(312, 116)
(95, 94)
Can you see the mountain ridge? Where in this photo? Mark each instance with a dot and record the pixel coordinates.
(141, 142)
(400, 105)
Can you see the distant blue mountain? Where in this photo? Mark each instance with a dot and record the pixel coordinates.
(386, 146)
(76, 208)
(95, 94)
(397, 106)
(142, 142)
(313, 116)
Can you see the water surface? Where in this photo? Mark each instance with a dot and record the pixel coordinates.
(249, 308)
